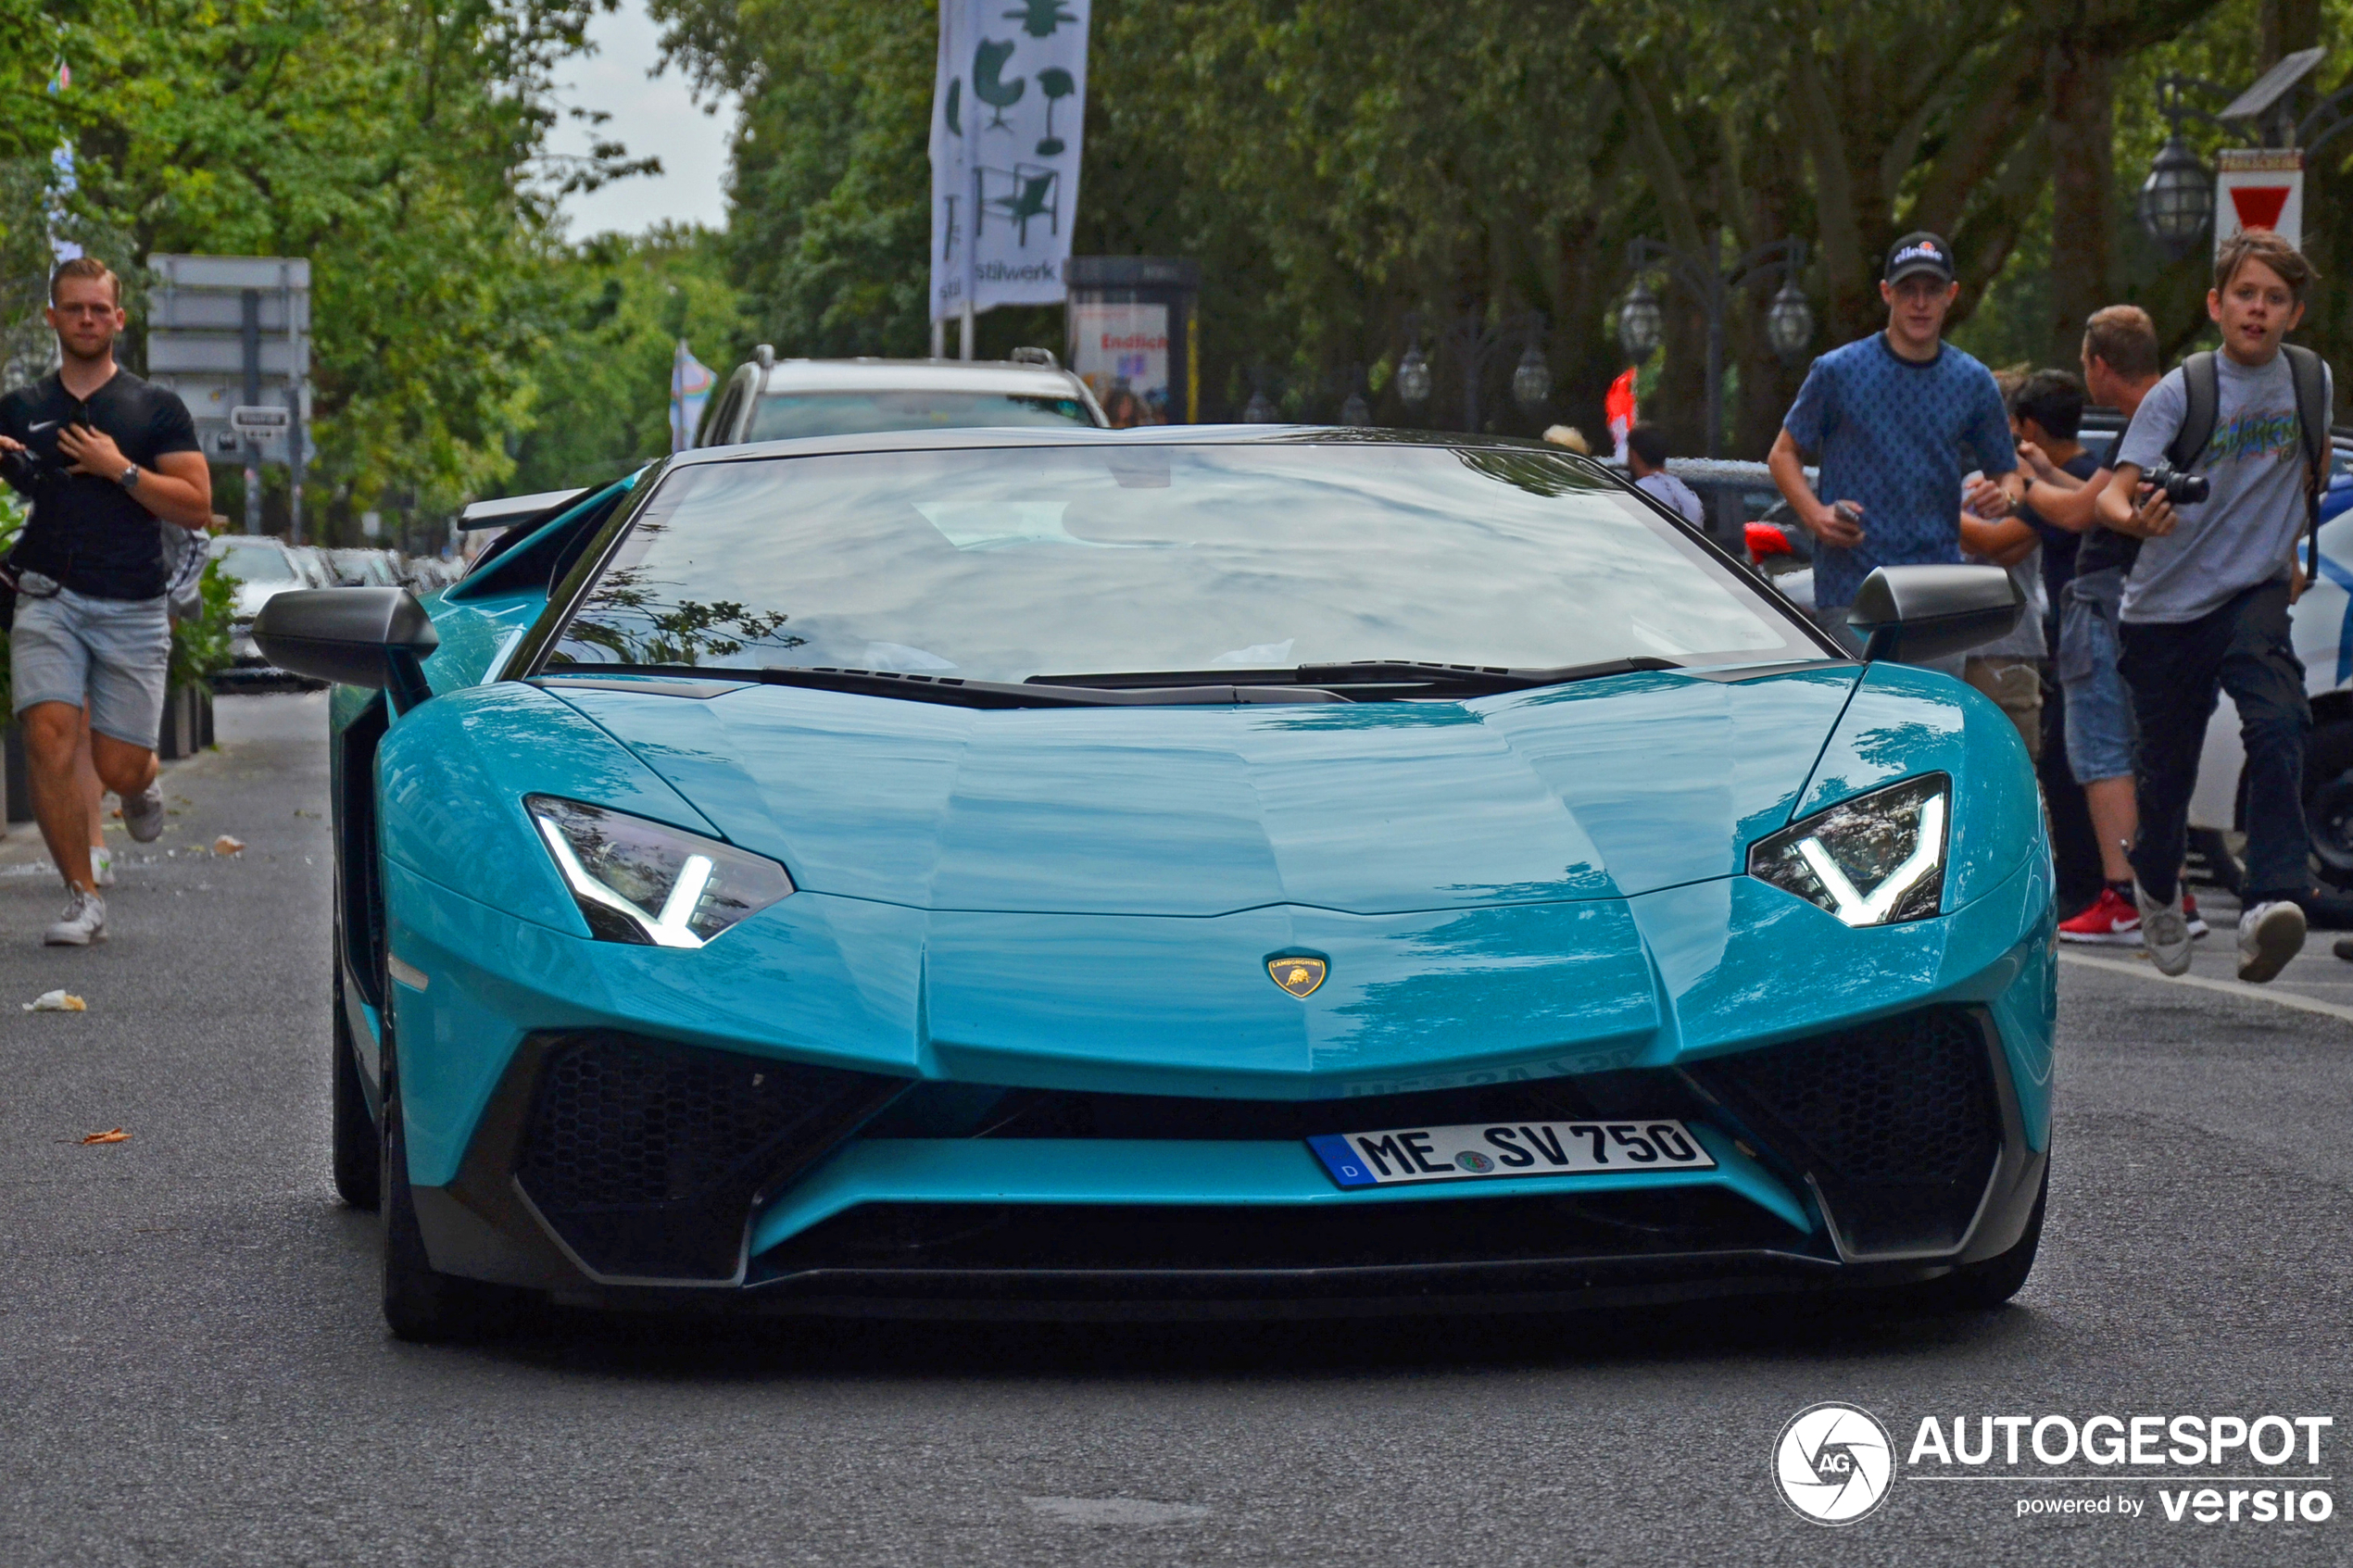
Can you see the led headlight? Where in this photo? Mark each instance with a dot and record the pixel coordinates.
(1877, 859)
(644, 882)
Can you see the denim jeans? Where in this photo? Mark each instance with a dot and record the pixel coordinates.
(2174, 671)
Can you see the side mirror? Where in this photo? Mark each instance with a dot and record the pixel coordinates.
(376, 637)
(1916, 612)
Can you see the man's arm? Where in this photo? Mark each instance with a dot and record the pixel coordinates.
(2074, 506)
(2004, 543)
(178, 489)
(1788, 466)
(2121, 510)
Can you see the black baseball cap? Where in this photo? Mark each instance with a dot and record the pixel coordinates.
(1919, 252)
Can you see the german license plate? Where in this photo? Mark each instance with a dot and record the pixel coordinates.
(1483, 1151)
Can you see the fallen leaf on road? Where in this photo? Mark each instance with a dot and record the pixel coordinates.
(225, 845)
(56, 1001)
(112, 1134)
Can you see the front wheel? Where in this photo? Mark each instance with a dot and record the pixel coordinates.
(2328, 801)
(422, 1305)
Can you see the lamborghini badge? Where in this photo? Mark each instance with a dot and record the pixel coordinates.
(1299, 976)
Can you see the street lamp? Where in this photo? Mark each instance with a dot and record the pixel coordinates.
(1639, 323)
(1789, 324)
(1413, 379)
(1789, 321)
(1531, 381)
(2177, 199)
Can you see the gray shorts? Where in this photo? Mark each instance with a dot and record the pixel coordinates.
(114, 654)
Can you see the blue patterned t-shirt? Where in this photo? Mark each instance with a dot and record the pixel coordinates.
(1891, 434)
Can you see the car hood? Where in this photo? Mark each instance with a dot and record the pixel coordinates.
(1598, 790)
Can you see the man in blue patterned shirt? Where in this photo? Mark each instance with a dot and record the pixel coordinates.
(1891, 416)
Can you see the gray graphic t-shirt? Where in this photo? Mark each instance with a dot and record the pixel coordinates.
(2247, 530)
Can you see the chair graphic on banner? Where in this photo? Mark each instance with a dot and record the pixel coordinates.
(1027, 191)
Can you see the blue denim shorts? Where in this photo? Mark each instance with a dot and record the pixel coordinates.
(2099, 710)
(111, 654)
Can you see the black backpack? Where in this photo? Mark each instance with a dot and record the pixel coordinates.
(2202, 381)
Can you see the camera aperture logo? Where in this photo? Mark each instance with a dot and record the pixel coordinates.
(1834, 1463)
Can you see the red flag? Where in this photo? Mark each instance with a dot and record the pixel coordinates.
(1617, 406)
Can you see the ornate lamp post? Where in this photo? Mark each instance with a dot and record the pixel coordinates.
(1789, 319)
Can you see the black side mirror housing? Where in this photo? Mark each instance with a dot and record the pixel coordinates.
(1916, 612)
(375, 637)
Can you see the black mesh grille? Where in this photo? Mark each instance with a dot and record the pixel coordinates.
(1897, 1121)
(647, 1157)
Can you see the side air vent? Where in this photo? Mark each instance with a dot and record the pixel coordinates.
(648, 1158)
(1897, 1123)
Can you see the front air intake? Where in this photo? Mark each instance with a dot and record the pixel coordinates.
(648, 1158)
(1897, 1122)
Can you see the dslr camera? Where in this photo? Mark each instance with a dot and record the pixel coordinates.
(28, 473)
(2182, 489)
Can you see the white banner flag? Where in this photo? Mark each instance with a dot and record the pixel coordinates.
(1008, 111)
(690, 382)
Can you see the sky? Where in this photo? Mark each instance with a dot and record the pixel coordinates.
(654, 116)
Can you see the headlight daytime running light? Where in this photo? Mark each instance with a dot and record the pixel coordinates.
(650, 884)
(1877, 859)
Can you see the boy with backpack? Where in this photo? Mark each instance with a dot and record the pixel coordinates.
(2206, 606)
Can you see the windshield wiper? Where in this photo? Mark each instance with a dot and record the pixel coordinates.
(1403, 676)
(956, 691)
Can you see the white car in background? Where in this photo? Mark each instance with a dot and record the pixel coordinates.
(262, 566)
(773, 399)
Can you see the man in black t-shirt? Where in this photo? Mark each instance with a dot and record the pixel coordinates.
(101, 455)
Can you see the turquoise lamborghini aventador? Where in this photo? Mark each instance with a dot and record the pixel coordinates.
(1192, 872)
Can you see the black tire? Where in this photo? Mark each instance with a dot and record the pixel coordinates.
(1983, 1287)
(422, 1305)
(358, 1145)
(2328, 801)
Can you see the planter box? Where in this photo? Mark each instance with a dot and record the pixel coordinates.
(187, 723)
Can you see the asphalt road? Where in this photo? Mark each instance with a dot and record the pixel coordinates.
(191, 1368)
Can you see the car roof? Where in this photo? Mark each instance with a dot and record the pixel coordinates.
(917, 375)
(987, 438)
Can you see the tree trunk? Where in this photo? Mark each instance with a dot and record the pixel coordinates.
(2080, 83)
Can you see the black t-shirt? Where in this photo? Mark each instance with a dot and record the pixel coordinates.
(2059, 547)
(88, 533)
(2104, 547)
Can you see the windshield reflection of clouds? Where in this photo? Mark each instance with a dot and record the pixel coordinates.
(924, 562)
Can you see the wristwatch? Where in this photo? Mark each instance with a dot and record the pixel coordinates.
(129, 478)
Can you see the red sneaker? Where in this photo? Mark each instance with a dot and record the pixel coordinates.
(2111, 921)
(2189, 913)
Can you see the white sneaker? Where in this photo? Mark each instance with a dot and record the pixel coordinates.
(2269, 934)
(84, 921)
(143, 813)
(2165, 931)
(102, 865)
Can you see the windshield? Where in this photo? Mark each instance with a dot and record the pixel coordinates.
(248, 563)
(1001, 565)
(782, 416)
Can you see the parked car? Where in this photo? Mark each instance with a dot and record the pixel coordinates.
(365, 568)
(1059, 871)
(773, 399)
(263, 567)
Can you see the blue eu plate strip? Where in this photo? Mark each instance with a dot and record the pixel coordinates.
(1345, 1164)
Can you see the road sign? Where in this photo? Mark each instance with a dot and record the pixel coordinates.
(231, 334)
(2259, 188)
(261, 420)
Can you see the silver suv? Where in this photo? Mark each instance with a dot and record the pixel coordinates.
(773, 399)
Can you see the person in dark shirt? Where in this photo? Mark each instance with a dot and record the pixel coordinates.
(101, 455)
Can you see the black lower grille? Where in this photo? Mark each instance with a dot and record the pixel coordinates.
(1108, 1238)
(646, 1157)
(1897, 1121)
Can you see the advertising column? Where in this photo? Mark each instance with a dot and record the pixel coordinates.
(1130, 336)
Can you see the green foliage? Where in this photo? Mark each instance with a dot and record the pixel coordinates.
(200, 645)
(603, 376)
